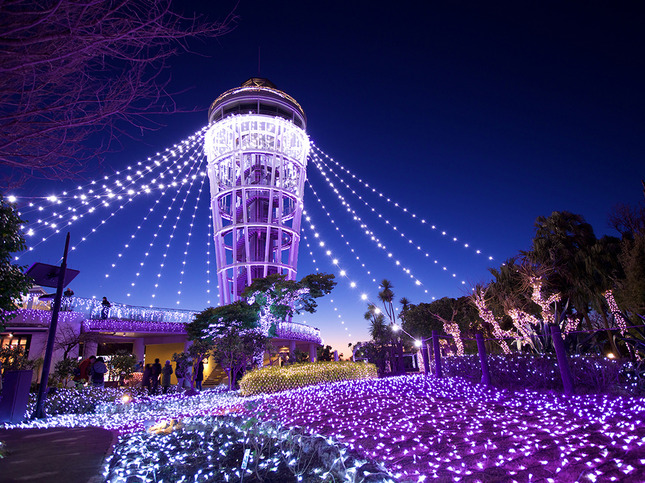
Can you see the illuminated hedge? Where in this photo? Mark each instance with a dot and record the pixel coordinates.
(275, 379)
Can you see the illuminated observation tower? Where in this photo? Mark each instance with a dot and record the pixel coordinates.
(257, 155)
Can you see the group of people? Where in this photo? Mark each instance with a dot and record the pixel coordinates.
(92, 370)
(156, 374)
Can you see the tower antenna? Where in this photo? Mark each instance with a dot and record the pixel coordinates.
(258, 60)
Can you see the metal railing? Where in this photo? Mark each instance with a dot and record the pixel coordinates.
(164, 320)
(93, 309)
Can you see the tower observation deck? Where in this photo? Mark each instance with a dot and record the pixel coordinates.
(257, 154)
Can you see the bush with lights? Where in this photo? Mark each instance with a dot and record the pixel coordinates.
(275, 379)
(236, 448)
(76, 401)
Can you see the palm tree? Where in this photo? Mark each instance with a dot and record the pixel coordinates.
(386, 296)
(380, 334)
(581, 266)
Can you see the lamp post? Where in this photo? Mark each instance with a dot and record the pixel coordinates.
(44, 274)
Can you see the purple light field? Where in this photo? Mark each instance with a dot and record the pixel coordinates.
(427, 429)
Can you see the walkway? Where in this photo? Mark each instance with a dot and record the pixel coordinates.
(72, 455)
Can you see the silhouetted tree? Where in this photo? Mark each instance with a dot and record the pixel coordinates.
(13, 282)
(72, 69)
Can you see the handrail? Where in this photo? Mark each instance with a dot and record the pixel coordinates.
(93, 310)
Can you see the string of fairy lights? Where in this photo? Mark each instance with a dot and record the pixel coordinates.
(318, 154)
(339, 272)
(101, 194)
(372, 237)
(171, 231)
(317, 163)
(188, 239)
(172, 171)
(172, 175)
(151, 210)
(85, 193)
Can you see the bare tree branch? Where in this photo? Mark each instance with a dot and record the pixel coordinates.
(72, 69)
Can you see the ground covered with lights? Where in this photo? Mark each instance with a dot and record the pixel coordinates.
(409, 428)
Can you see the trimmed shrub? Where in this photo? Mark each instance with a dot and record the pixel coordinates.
(275, 379)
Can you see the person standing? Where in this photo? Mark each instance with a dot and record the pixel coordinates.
(180, 374)
(146, 379)
(200, 375)
(105, 310)
(155, 373)
(166, 372)
(67, 299)
(85, 367)
(97, 372)
(188, 376)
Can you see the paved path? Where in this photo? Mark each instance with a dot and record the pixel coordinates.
(55, 455)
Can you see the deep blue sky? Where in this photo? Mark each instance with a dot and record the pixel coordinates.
(477, 117)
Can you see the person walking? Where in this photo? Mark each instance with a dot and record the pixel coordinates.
(155, 373)
(67, 300)
(97, 372)
(166, 372)
(105, 310)
(200, 375)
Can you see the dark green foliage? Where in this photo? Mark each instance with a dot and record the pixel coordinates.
(324, 354)
(281, 292)
(579, 266)
(13, 282)
(301, 356)
(14, 358)
(64, 370)
(419, 320)
(122, 364)
(236, 348)
(631, 290)
(243, 313)
(228, 333)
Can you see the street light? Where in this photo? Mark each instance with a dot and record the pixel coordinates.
(50, 276)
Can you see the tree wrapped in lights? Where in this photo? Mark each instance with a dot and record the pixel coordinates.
(239, 331)
(277, 299)
(479, 299)
(447, 315)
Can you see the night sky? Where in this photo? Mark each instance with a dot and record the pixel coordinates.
(475, 117)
